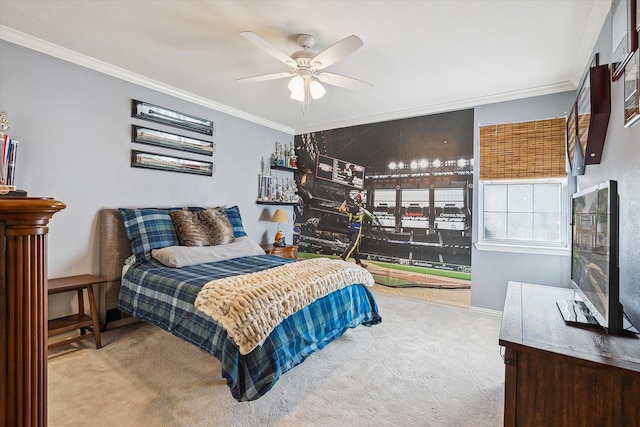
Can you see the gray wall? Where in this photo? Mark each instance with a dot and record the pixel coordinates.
(74, 128)
(620, 160)
(491, 271)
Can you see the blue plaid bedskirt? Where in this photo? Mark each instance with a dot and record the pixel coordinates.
(164, 296)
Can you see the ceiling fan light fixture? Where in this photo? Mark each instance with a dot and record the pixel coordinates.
(304, 89)
(296, 84)
(316, 89)
(305, 67)
(298, 96)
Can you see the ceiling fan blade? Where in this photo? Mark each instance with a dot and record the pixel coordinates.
(337, 51)
(269, 48)
(344, 81)
(264, 77)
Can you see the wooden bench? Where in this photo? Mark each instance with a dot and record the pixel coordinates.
(88, 325)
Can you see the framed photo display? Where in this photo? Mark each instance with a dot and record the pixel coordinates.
(141, 159)
(631, 92)
(154, 113)
(169, 140)
(624, 34)
(593, 109)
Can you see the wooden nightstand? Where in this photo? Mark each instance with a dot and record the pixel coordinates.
(283, 251)
(88, 325)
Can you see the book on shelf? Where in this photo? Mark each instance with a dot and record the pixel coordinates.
(11, 162)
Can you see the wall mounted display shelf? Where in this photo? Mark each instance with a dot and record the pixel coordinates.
(591, 110)
(274, 190)
(284, 168)
(270, 202)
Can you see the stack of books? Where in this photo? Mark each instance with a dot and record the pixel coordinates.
(8, 167)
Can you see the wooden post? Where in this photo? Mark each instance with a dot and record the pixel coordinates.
(23, 309)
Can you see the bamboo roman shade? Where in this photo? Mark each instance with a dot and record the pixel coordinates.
(523, 150)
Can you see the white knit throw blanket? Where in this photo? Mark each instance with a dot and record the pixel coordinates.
(250, 306)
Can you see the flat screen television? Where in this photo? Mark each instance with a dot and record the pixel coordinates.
(594, 259)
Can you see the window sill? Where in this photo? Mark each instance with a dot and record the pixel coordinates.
(537, 250)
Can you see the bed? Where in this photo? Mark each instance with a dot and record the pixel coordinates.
(146, 288)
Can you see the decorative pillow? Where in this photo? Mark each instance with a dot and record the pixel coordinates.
(233, 213)
(204, 228)
(147, 229)
(183, 256)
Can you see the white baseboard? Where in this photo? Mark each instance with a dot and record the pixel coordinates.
(486, 310)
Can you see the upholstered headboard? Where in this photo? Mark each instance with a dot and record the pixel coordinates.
(115, 248)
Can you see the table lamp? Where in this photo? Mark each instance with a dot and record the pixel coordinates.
(279, 216)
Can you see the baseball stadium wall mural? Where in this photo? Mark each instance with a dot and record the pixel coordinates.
(395, 196)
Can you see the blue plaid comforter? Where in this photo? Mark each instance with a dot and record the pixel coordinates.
(164, 297)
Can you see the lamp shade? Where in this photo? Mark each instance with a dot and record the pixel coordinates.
(279, 216)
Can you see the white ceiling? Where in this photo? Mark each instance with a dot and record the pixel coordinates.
(422, 57)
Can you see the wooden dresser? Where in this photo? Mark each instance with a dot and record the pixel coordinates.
(560, 375)
(23, 309)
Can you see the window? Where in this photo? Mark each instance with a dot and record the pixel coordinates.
(523, 198)
(524, 212)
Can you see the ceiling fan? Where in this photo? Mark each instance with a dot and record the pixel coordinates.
(307, 68)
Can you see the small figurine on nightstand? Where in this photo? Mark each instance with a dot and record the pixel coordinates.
(279, 240)
(279, 216)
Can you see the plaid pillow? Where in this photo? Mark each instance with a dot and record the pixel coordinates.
(233, 213)
(147, 229)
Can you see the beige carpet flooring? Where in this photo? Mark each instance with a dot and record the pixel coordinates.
(425, 365)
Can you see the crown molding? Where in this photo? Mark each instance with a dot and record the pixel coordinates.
(584, 52)
(599, 12)
(448, 106)
(42, 46)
